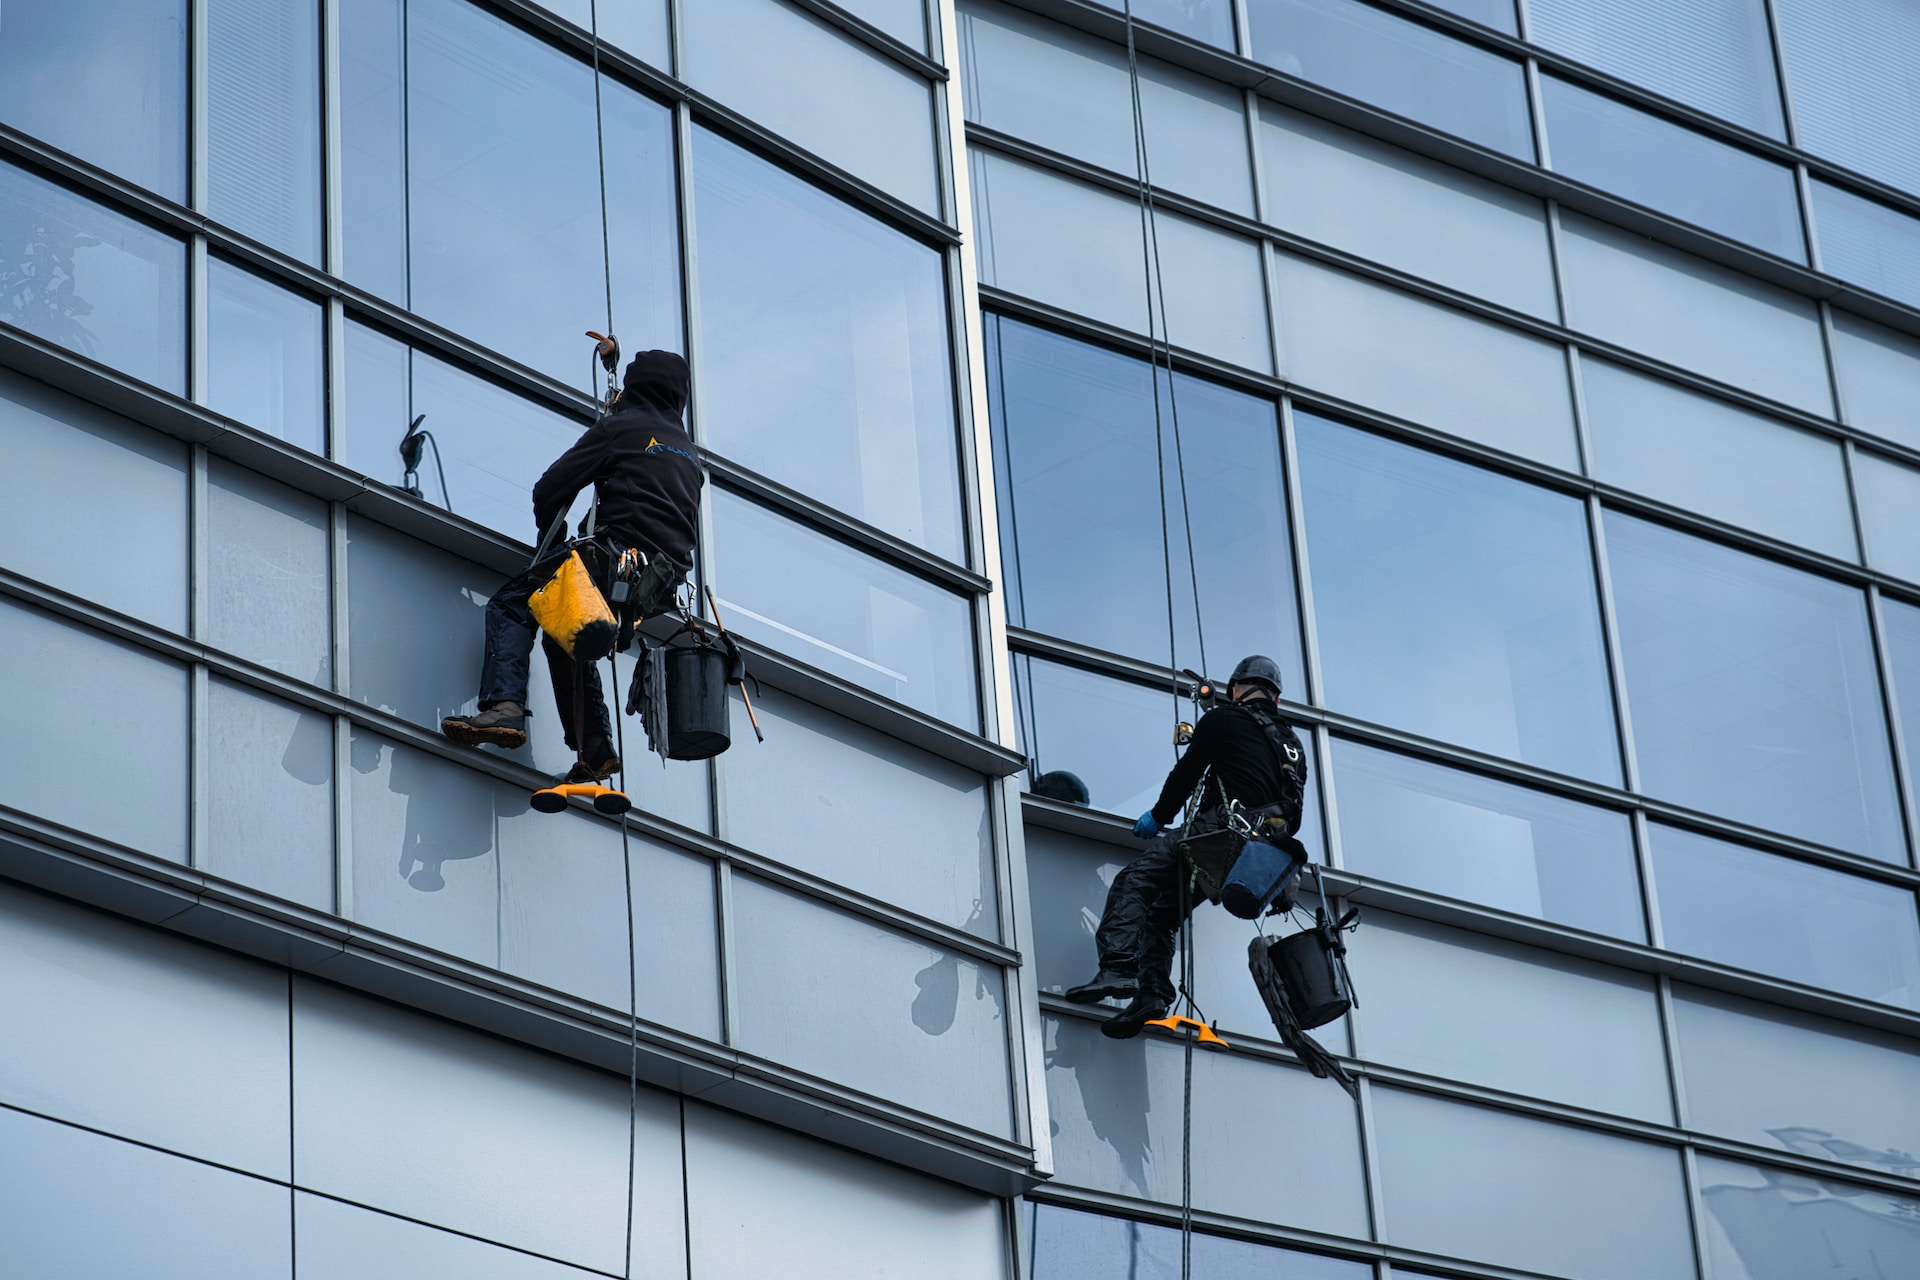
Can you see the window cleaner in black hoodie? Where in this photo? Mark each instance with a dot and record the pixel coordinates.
(641, 465)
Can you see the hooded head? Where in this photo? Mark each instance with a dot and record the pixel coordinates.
(656, 380)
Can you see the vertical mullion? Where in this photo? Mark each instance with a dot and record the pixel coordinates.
(197, 105)
(1782, 81)
(197, 727)
(1610, 636)
(1370, 1158)
(724, 931)
(1302, 573)
(1696, 1211)
(1537, 113)
(332, 196)
(1803, 191)
(1896, 736)
(342, 728)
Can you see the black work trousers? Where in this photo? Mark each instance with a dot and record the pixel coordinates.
(509, 655)
(1145, 909)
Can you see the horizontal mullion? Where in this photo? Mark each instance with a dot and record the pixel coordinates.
(874, 38)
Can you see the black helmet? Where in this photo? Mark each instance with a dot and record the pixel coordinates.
(1257, 668)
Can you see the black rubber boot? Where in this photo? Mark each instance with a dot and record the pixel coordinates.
(1128, 1023)
(504, 724)
(1106, 985)
(598, 762)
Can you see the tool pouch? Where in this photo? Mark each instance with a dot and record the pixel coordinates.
(570, 608)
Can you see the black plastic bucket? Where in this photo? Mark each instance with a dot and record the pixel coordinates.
(1315, 975)
(698, 718)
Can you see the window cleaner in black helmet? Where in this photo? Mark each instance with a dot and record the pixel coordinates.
(646, 481)
(1245, 753)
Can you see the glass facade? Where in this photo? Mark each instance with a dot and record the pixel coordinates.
(1532, 380)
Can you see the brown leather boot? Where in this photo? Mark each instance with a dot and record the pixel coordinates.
(504, 724)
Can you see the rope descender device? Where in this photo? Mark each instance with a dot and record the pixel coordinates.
(1203, 1033)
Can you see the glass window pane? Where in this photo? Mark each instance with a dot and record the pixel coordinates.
(826, 364)
(1215, 302)
(806, 594)
(1497, 14)
(1854, 96)
(126, 60)
(403, 1112)
(1348, 337)
(1359, 194)
(1712, 54)
(267, 557)
(1672, 444)
(503, 187)
(846, 1000)
(1867, 243)
(431, 667)
(373, 146)
(1471, 1182)
(904, 20)
(643, 201)
(1765, 1075)
(863, 810)
(1879, 369)
(58, 451)
(1901, 625)
(1070, 1245)
(1779, 1222)
(835, 97)
(118, 709)
(376, 371)
(336, 1241)
(1079, 484)
(75, 1204)
(1754, 690)
(1455, 603)
(1677, 308)
(1408, 69)
(1673, 169)
(493, 444)
(263, 121)
(87, 993)
(1070, 92)
(93, 281)
(1208, 21)
(264, 357)
(1467, 836)
(270, 795)
(1793, 920)
(1454, 1004)
(1889, 497)
(1116, 1111)
(639, 27)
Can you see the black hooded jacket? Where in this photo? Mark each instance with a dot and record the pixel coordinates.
(1231, 740)
(640, 462)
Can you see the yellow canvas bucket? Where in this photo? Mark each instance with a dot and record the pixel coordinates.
(571, 609)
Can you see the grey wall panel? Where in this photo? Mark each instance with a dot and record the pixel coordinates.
(79, 1206)
(405, 1113)
(1270, 1142)
(335, 1241)
(763, 1202)
(126, 719)
(61, 455)
(864, 810)
(140, 1033)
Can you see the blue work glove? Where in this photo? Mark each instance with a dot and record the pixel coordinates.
(1148, 827)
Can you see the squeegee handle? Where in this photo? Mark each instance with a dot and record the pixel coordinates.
(559, 523)
(752, 719)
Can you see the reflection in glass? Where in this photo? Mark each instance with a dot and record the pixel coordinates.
(1761, 1074)
(377, 377)
(1080, 489)
(849, 104)
(1410, 70)
(1071, 1245)
(105, 81)
(1712, 54)
(91, 280)
(1462, 1006)
(1867, 243)
(1878, 370)
(263, 121)
(851, 805)
(1854, 98)
(1889, 496)
(1671, 168)
(1455, 603)
(1790, 919)
(1395, 207)
(1346, 336)
(840, 998)
(643, 202)
(1208, 21)
(1467, 836)
(826, 361)
(270, 795)
(1780, 1224)
(1669, 443)
(807, 594)
(264, 356)
(1271, 1143)
(117, 708)
(373, 146)
(1754, 690)
(267, 588)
